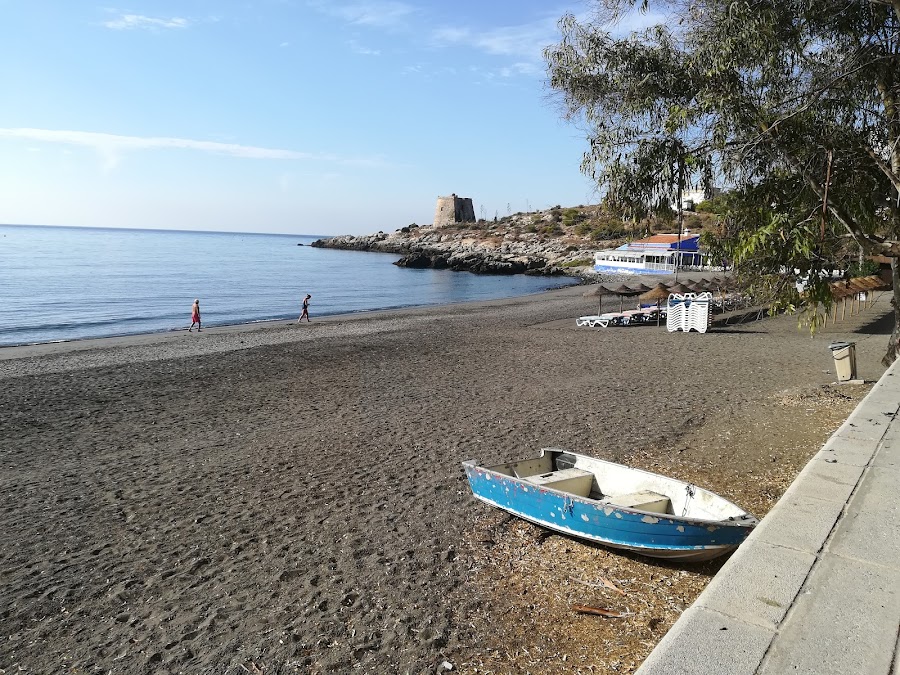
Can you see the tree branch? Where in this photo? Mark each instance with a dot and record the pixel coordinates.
(870, 242)
(885, 168)
(890, 3)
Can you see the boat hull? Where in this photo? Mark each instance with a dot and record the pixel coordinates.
(652, 534)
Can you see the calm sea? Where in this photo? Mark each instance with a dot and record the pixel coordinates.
(67, 283)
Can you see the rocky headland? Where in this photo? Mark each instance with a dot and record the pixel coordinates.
(553, 242)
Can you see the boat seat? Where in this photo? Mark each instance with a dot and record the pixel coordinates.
(574, 481)
(642, 501)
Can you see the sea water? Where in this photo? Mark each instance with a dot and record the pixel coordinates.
(67, 283)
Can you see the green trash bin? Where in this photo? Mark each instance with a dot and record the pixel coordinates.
(844, 354)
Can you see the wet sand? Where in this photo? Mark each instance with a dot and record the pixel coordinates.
(286, 498)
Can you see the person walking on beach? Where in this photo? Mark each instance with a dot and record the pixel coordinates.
(305, 311)
(195, 316)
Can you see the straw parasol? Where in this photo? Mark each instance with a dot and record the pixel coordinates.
(656, 294)
(680, 288)
(698, 286)
(872, 282)
(624, 291)
(857, 285)
(640, 289)
(840, 290)
(597, 291)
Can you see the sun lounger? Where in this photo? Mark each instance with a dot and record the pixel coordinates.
(601, 320)
(647, 315)
(587, 320)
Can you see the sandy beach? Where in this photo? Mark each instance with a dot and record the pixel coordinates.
(283, 498)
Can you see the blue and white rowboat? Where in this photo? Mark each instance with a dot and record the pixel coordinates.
(614, 505)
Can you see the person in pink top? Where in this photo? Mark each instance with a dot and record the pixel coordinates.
(195, 316)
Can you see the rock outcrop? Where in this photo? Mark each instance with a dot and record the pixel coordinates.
(482, 252)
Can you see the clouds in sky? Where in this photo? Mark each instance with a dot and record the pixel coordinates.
(520, 45)
(138, 21)
(360, 49)
(525, 40)
(110, 146)
(375, 13)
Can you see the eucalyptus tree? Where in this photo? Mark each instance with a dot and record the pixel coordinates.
(794, 104)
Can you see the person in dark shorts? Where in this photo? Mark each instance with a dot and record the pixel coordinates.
(305, 311)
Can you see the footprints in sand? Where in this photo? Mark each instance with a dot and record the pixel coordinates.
(164, 557)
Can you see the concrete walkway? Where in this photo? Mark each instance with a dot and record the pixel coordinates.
(815, 589)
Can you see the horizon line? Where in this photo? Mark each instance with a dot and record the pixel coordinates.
(164, 229)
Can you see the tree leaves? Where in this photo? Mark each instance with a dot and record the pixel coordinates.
(793, 104)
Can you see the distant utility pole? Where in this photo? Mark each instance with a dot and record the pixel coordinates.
(508, 209)
(528, 205)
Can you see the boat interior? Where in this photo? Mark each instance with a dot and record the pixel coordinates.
(618, 485)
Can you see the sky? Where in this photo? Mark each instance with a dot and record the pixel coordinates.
(283, 116)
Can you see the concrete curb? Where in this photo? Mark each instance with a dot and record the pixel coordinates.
(816, 587)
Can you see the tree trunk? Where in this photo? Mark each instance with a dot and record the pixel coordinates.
(894, 344)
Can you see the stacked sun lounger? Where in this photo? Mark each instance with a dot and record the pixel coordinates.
(688, 312)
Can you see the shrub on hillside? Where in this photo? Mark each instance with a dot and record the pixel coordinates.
(581, 262)
(551, 230)
(570, 217)
(584, 228)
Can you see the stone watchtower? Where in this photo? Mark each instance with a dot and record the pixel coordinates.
(453, 209)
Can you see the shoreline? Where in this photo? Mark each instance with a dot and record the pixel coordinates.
(171, 344)
(293, 499)
(263, 323)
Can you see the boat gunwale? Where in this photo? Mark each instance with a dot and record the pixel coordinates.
(745, 521)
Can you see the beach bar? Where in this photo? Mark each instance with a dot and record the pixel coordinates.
(658, 254)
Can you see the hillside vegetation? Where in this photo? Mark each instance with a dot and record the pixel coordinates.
(579, 226)
(554, 241)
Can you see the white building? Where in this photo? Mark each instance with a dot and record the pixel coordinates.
(690, 198)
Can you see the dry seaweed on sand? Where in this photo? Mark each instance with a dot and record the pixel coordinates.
(599, 611)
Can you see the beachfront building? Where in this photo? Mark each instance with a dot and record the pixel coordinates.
(659, 254)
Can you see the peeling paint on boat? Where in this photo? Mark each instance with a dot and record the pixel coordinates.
(600, 520)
